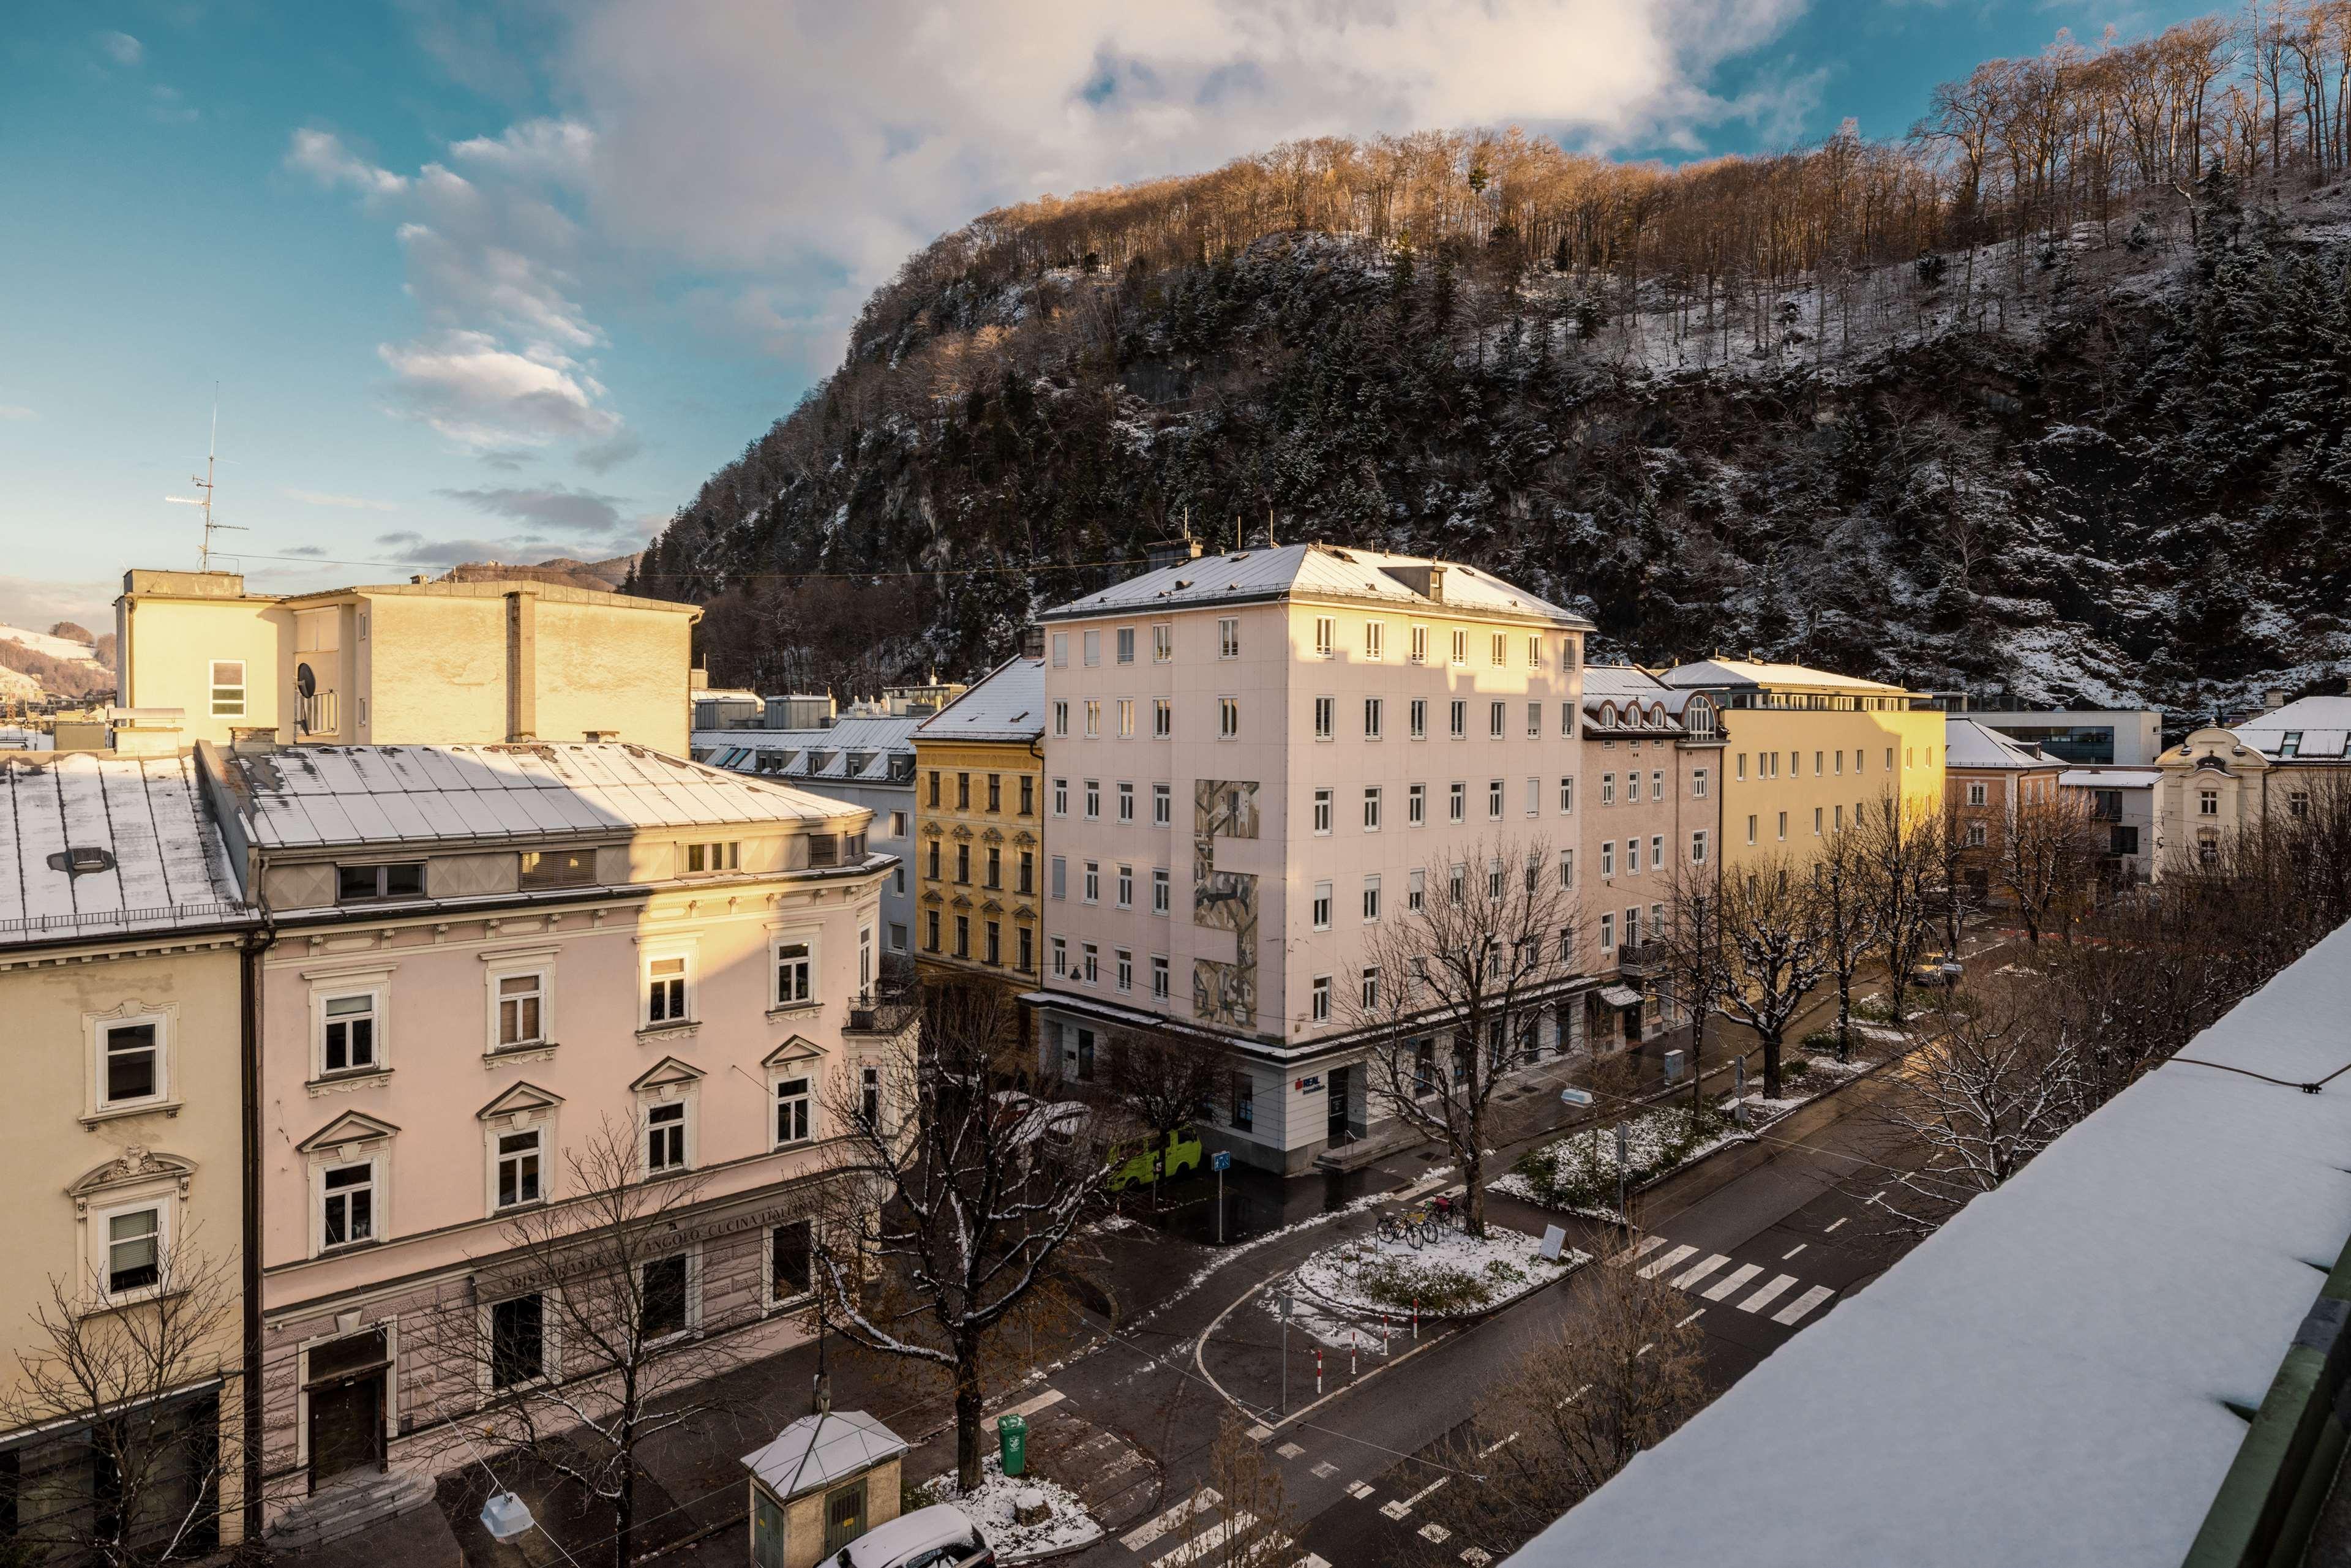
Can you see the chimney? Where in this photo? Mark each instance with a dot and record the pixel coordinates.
(1170, 552)
(2274, 698)
(1032, 641)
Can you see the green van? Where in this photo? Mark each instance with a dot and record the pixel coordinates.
(1131, 1163)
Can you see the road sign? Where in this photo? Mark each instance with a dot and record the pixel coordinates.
(1553, 1239)
(1575, 1096)
(1222, 1160)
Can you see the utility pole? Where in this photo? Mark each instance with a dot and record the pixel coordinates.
(1623, 1156)
(211, 447)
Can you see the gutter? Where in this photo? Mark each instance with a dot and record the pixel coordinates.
(250, 949)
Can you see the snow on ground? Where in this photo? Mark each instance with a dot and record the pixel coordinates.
(1456, 1274)
(1064, 1528)
(1580, 1170)
(55, 647)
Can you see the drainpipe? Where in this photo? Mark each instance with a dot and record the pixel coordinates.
(250, 948)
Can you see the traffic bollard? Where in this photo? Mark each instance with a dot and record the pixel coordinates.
(1355, 1343)
(1415, 1320)
(1318, 1372)
(1383, 1333)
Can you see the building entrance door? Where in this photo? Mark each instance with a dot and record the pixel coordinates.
(1342, 1093)
(345, 1382)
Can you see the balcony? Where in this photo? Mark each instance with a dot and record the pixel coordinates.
(882, 1014)
(1642, 957)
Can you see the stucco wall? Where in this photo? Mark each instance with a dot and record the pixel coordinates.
(167, 647)
(436, 670)
(1820, 741)
(601, 667)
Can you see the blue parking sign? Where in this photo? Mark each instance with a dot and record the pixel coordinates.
(1221, 1160)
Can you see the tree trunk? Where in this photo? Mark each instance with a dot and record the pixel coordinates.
(1473, 1195)
(1772, 1066)
(968, 1400)
(624, 1510)
(1844, 1015)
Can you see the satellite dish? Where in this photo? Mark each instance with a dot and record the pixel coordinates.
(306, 684)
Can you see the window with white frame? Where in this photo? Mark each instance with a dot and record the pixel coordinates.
(1500, 653)
(1697, 784)
(347, 1203)
(1122, 970)
(1374, 713)
(1415, 890)
(1061, 956)
(1090, 967)
(229, 688)
(1325, 714)
(1160, 889)
(665, 1136)
(135, 1243)
(1093, 800)
(1418, 715)
(793, 1109)
(1060, 797)
(1657, 852)
(1093, 714)
(1534, 796)
(1319, 1003)
(1126, 888)
(1126, 800)
(131, 1065)
(1061, 650)
(518, 1344)
(1607, 932)
(1326, 637)
(1372, 808)
(1163, 718)
(1163, 803)
(1632, 857)
(1976, 792)
(1371, 900)
(1159, 975)
(517, 1157)
(1494, 799)
(1416, 805)
(1375, 637)
(1060, 718)
(1229, 639)
(1093, 885)
(1419, 638)
(1534, 720)
(1228, 718)
(1458, 883)
(668, 991)
(1321, 910)
(1457, 719)
(1322, 810)
(1093, 647)
(1567, 868)
(1498, 717)
(522, 1007)
(1535, 649)
(1458, 802)
(1126, 718)
(1126, 644)
(1163, 643)
(795, 967)
(1567, 796)
(1370, 993)
(1608, 858)
(1697, 847)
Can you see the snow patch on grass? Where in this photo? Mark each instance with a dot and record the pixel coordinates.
(1065, 1527)
(1454, 1274)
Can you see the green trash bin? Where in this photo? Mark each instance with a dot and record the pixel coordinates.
(1012, 1442)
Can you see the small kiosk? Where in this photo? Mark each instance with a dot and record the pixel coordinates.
(824, 1482)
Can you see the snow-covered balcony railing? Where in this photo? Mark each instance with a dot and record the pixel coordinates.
(121, 919)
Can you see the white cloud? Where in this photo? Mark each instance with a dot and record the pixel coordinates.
(322, 155)
(122, 48)
(487, 397)
(348, 503)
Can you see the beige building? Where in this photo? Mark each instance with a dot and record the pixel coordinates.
(412, 664)
(486, 959)
(2269, 768)
(121, 936)
(979, 829)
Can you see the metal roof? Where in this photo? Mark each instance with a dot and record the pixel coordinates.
(2110, 778)
(1966, 744)
(817, 1450)
(1008, 703)
(2323, 724)
(1313, 571)
(169, 868)
(1769, 676)
(298, 797)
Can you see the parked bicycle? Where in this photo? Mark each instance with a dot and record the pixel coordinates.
(1411, 1226)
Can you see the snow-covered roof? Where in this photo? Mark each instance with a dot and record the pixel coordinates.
(1966, 744)
(817, 1450)
(2322, 724)
(166, 866)
(1746, 673)
(1314, 571)
(1631, 694)
(2110, 778)
(850, 751)
(298, 797)
(2044, 1379)
(1008, 703)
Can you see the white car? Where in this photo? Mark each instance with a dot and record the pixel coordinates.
(935, 1537)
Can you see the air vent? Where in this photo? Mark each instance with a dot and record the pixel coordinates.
(82, 859)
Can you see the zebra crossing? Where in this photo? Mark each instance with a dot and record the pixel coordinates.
(1682, 1267)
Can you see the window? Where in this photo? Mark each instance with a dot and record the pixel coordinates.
(935, 788)
(995, 793)
(1163, 643)
(1457, 886)
(1418, 715)
(1375, 634)
(664, 1137)
(518, 1172)
(702, 858)
(795, 974)
(995, 866)
(666, 991)
(1322, 810)
(1124, 971)
(1126, 888)
(1061, 650)
(1125, 802)
(1783, 827)
(1497, 715)
(1534, 720)
(1416, 806)
(2292, 745)
(934, 860)
(1162, 805)
(1608, 858)
(1093, 647)
(1697, 847)
(1418, 639)
(1093, 800)
(1632, 857)
(931, 931)
(565, 868)
(1159, 975)
(792, 1254)
(2208, 802)
(1567, 797)
(1494, 799)
(1321, 907)
(1163, 718)
(1493, 880)
(1607, 932)
(1061, 956)
(1460, 645)
(134, 1251)
(1126, 718)
(1372, 810)
(1657, 784)
(1093, 716)
(1061, 876)
(1608, 788)
(1326, 637)
(1318, 1002)
(1371, 899)
(1415, 890)
(1091, 972)
(1976, 793)
(347, 1203)
(962, 864)
(791, 1110)
(1126, 644)
(518, 1340)
(1458, 802)
(1816, 822)
(521, 1003)
(2297, 803)
(1370, 992)
(1500, 650)
(131, 1071)
(1027, 795)
(1374, 711)
(1025, 949)
(1244, 1102)
(347, 1042)
(1534, 796)
(1657, 852)
(401, 879)
(1325, 710)
(1160, 889)
(663, 1297)
(1751, 828)
(1228, 717)
(1060, 797)
(1975, 835)
(1743, 765)
(1061, 724)
(1229, 639)
(229, 688)
(1092, 894)
(1458, 716)
(963, 792)
(1697, 784)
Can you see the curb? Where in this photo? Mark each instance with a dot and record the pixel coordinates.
(1067, 1549)
(1488, 1310)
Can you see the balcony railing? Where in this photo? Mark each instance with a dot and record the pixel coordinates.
(1641, 957)
(881, 1013)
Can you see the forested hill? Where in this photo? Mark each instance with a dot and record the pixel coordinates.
(2071, 424)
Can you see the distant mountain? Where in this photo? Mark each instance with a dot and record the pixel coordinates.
(58, 666)
(604, 575)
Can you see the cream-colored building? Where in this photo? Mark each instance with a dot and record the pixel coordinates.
(1806, 752)
(486, 958)
(2266, 768)
(979, 828)
(122, 953)
(413, 663)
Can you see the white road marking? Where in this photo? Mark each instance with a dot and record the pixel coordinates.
(1045, 1401)
(1311, 1561)
(1764, 1296)
(1395, 1508)
(1325, 1470)
(1792, 1251)
(1732, 1280)
(1359, 1491)
(1650, 1271)
(1691, 1319)
(1802, 1304)
(1426, 1491)
(1833, 1229)
(1644, 1350)
(1206, 1544)
(1497, 1443)
(1434, 1533)
(1151, 1529)
(1476, 1556)
(1878, 1194)
(1259, 1433)
(1640, 1249)
(1289, 1450)
(1697, 1271)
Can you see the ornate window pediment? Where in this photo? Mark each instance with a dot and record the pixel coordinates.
(667, 1072)
(963, 831)
(1025, 838)
(350, 1127)
(991, 836)
(799, 1048)
(134, 1166)
(523, 1099)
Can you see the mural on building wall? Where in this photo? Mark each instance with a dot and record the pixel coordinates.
(1224, 901)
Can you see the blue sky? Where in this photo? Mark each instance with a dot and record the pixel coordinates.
(490, 281)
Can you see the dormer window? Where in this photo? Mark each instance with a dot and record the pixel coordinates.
(398, 878)
(557, 868)
(2292, 745)
(708, 858)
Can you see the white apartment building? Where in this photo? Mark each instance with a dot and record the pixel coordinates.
(1250, 762)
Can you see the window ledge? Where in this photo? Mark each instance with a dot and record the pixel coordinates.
(537, 1051)
(145, 1108)
(678, 1029)
(788, 1008)
(344, 1083)
(344, 1249)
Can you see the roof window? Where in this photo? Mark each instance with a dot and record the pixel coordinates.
(82, 859)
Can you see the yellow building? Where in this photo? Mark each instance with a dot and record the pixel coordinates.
(1806, 753)
(412, 664)
(979, 829)
(121, 937)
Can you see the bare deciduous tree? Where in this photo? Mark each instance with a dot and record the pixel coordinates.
(1241, 1515)
(142, 1453)
(2044, 856)
(1900, 850)
(1466, 965)
(1849, 914)
(584, 1343)
(1772, 935)
(964, 1209)
(1161, 1083)
(1696, 962)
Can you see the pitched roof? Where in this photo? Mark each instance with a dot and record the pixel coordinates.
(2324, 725)
(298, 797)
(1966, 744)
(1007, 703)
(1771, 676)
(2019, 1336)
(1313, 571)
(818, 755)
(166, 864)
(816, 1451)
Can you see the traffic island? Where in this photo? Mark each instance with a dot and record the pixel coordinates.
(1449, 1275)
(1025, 1517)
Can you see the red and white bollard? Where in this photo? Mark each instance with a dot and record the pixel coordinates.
(1355, 1343)
(1318, 1372)
(1415, 1320)
(1383, 1333)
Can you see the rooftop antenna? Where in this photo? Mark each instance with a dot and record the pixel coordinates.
(1271, 542)
(211, 447)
